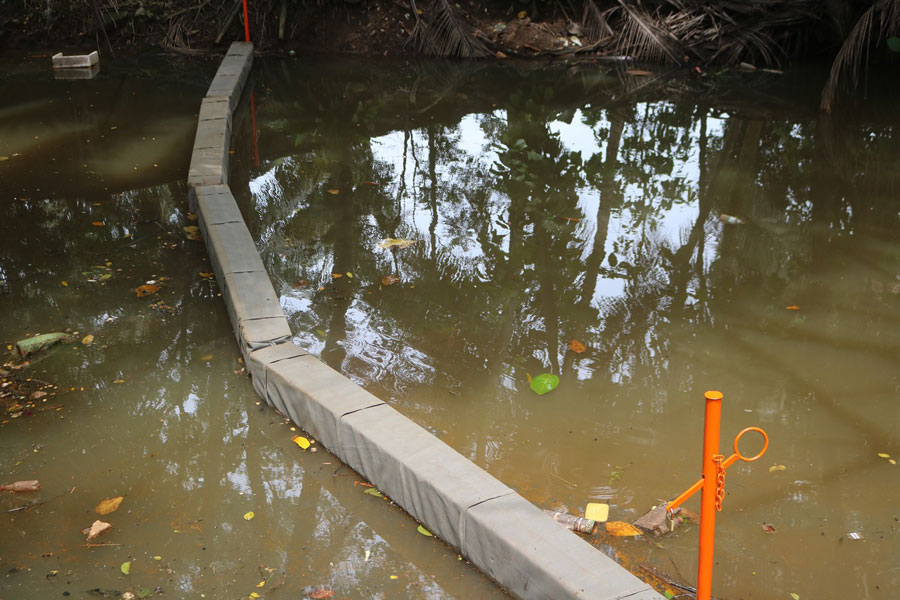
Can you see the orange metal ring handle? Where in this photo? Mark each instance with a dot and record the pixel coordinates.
(737, 440)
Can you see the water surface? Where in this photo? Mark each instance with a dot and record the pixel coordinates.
(692, 234)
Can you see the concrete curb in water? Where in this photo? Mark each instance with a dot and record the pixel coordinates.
(501, 533)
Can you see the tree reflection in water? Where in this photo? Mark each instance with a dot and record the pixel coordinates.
(556, 203)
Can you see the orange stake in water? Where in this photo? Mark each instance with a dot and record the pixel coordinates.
(246, 24)
(712, 487)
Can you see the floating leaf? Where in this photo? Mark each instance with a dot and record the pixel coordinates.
(300, 441)
(543, 383)
(193, 233)
(774, 468)
(389, 280)
(768, 528)
(337, 275)
(334, 192)
(669, 595)
(795, 596)
(373, 492)
(98, 223)
(596, 511)
(191, 216)
(792, 307)
(261, 583)
(349, 274)
(893, 43)
(522, 14)
(146, 290)
(884, 455)
(205, 275)
(64, 283)
(400, 243)
(253, 595)
(638, 72)
(157, 557)
(371, 183)
(320, 594)
(143, 592)
(97, 528)
(576, 346)
(126, 567)
(206, 357)
(394, 577)
(118, 381)
(421, 529)
(248, 515)
(87, 340)
(109, 505)
(621, 528)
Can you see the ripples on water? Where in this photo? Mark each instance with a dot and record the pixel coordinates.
(575, 203)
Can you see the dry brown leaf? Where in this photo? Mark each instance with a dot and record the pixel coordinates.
(621, 528)
(334, 192)
(109, 505)
(146, 290)
(400, 243)
(389, 280)
(98, 223)
(38, 395)
(639, 72)
(576, 346)
(97, 528)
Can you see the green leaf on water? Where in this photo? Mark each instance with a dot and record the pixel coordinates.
(893, 43)
(543, 383)
(126, 567)
(669, 595)
(373, 492)
(424, 531)
(143, 592)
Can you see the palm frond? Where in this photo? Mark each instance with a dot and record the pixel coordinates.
(595, 22)
(644, 38)
(445, 32)
(848, 62)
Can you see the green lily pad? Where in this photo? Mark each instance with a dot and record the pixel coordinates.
(126, 567)
(543, 383)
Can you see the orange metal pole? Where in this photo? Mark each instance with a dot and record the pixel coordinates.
(711, 427)
(246, 24)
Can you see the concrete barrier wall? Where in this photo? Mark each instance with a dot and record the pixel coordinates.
(504, 535)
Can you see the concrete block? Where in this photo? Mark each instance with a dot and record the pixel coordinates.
(203, 178)
(258, 362)
(315, 396)
(214, 205)
(213, 133)
(259, 333)
(212, 109)
(208, 167)
(244, 49)
(75, 61)
(430, 480)
(231, 249)
(516, 544)
(249, 296)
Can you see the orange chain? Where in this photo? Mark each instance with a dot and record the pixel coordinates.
(720, 481)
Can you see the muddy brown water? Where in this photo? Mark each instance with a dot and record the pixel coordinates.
(546, 204)
(152, 409)
(710, 233)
